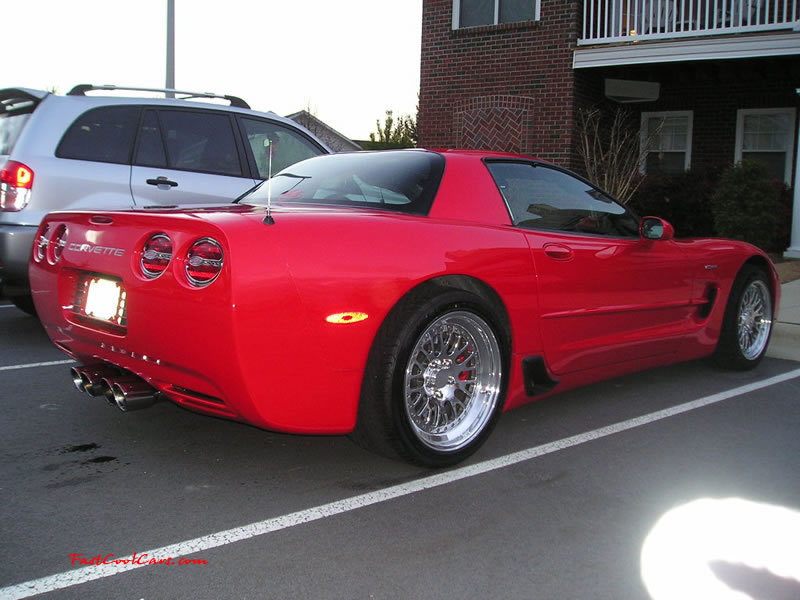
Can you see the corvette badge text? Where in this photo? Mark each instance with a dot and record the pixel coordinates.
(135, 559)
(106, 250)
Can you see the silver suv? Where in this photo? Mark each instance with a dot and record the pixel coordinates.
(78, 151)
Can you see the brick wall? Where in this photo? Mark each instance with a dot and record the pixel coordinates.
(506, 87)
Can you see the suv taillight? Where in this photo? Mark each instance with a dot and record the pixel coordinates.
(156, 254)
(16, 181)
(203, 262)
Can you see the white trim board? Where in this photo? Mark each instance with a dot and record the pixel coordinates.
(696, 49)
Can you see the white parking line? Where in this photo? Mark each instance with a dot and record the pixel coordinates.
(39, 364)
(222, 538)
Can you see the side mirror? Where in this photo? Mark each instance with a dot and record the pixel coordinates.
(656, 228)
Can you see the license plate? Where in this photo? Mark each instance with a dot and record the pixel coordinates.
(103, 298)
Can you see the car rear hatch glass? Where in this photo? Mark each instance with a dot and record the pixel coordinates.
(402, 181)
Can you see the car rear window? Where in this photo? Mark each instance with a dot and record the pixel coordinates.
(11, 125)
(402, 181)
(103, 134)
(16, 108)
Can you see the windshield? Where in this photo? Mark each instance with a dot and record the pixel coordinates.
(400, 180)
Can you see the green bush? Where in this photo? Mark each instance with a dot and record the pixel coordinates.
(683, 199)
(747, 205)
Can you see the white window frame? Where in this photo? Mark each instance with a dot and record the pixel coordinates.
(743, 112)
(457, 13)
(645, 136)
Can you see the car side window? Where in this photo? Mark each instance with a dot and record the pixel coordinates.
(103, 134)
(542, 197)
(286, 146)
(196, 141)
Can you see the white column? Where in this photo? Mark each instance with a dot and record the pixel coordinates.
(793, 251)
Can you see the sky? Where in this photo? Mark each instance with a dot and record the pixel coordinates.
(348, 61)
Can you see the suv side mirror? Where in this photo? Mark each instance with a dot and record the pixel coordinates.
(656, 228)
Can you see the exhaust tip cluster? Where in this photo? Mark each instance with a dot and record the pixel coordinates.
(126, 392)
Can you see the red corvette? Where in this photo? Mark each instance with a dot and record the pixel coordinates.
(405, 297)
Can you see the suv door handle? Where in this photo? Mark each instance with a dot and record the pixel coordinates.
(162, 181)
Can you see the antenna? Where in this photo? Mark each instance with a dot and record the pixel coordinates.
(268, 219)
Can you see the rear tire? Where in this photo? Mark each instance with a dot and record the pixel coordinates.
(24, 303)
(747, 325)
(436, 379)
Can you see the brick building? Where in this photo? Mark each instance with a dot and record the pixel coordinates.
(709, 81)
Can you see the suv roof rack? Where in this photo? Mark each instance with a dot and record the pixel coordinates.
(81, 89)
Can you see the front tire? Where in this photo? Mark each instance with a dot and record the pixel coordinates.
(747, 324)
(436, 380)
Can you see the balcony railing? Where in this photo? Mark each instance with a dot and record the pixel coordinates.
(614, 21)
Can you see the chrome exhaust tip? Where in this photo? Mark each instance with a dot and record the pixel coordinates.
(129, 393)
(89, 378)
(107, 392)
(77, 378)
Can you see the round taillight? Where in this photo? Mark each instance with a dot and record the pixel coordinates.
(156, 254)
(203, 262)
(40, 247)
(57, 244)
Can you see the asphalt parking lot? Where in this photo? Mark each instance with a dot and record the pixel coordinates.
(558, 504)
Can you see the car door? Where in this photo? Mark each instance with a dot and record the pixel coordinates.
(605, 294)
(91, 167)
(186, 157)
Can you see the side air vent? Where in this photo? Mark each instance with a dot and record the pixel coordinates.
(537, 380)
(711, 297)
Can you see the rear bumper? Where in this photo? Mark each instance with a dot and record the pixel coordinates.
(16, 242)
(271, 399)
(208, 353)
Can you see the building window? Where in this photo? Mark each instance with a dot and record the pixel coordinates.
(766, 135)
(475, 13)
(666, 142)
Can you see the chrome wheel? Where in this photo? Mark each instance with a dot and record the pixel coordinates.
(453, 381)
(754, 319)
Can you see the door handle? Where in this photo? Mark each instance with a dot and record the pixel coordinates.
(558, 252)
(162, 181)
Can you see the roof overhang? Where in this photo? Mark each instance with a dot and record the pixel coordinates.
(755, 46)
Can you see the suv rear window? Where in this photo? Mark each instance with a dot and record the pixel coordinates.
(401, 180)
(102, 134)
(11, 125)
(16, 108)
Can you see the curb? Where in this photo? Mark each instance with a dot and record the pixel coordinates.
(785, 341)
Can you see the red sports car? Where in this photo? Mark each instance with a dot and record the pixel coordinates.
(405, 297)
